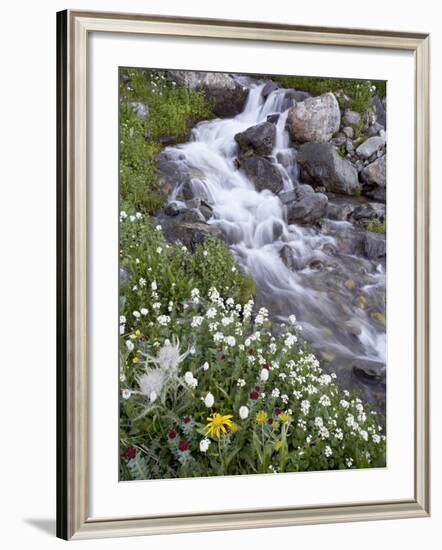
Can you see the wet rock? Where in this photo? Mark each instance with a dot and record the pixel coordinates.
(368, 211)
(322, 165)
(174, 173)
(314, 119)
(375, 245)
(273, 118)
(172, 209)
(140, 109)
(351, 117)
(262, 172)
(369, 370)
(308, 209)
(290, 260)
(226, 94)
(269, 87)
(339, 211)
(370, 147)
(258, 139)
(291, 97)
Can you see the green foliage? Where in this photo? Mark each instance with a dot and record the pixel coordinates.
(359, 92)
(147, 257)
(377, 226)
(173, 110)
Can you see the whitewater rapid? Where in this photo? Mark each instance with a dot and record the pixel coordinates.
(255, 227)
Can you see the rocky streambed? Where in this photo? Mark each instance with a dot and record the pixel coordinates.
(283, 178)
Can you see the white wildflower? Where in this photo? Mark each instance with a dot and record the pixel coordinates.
(327, 451)
(243, 412)
(292, 319)
(190, 379)
(163, 320)
(125, 394)
(209, 400)
(206, 366)
(264, 376)
(230, 341)
(305, 406)
(240, 382)
(204, 445)
(136, 314)
(143, 311)
(196, 321)
(153, 285)
(130, 346)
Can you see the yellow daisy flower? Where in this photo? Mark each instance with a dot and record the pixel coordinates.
(261, 417)
(277, 445)
(284, 417)
(218, 424)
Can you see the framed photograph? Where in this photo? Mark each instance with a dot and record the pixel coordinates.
(242, 275)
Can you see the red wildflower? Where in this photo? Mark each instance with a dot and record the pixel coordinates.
(183, 446)
(186, 420)
(253, 395)
(130, 453)
(270, 421)
(172, 434)
(278, 411)
(266, 366)
(257, 388)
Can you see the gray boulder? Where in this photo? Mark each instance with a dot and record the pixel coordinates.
(348, 132)
(227, 96)
(339, 211)
(140, 109)
(370, 147)
(375, 173)
(262, 172)
(369, 211)
(314, 119)
(258, 139)
(375, 245)
(381, 115)
(321, 165)
(308, 209)
(351, 117)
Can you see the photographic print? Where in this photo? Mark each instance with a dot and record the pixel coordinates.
(252, 274)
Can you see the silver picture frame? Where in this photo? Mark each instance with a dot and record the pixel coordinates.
(73, 517)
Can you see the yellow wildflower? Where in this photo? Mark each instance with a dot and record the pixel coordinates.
(285, 417)
(277, 445)
(218, 424)
(137, 332)
(261, 417)
(135, 360)
(275, 425)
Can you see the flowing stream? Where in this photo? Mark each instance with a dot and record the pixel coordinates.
(336, 315)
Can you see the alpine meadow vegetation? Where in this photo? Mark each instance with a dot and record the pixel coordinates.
(210, 384)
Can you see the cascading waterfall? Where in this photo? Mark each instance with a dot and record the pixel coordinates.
(254, 224)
